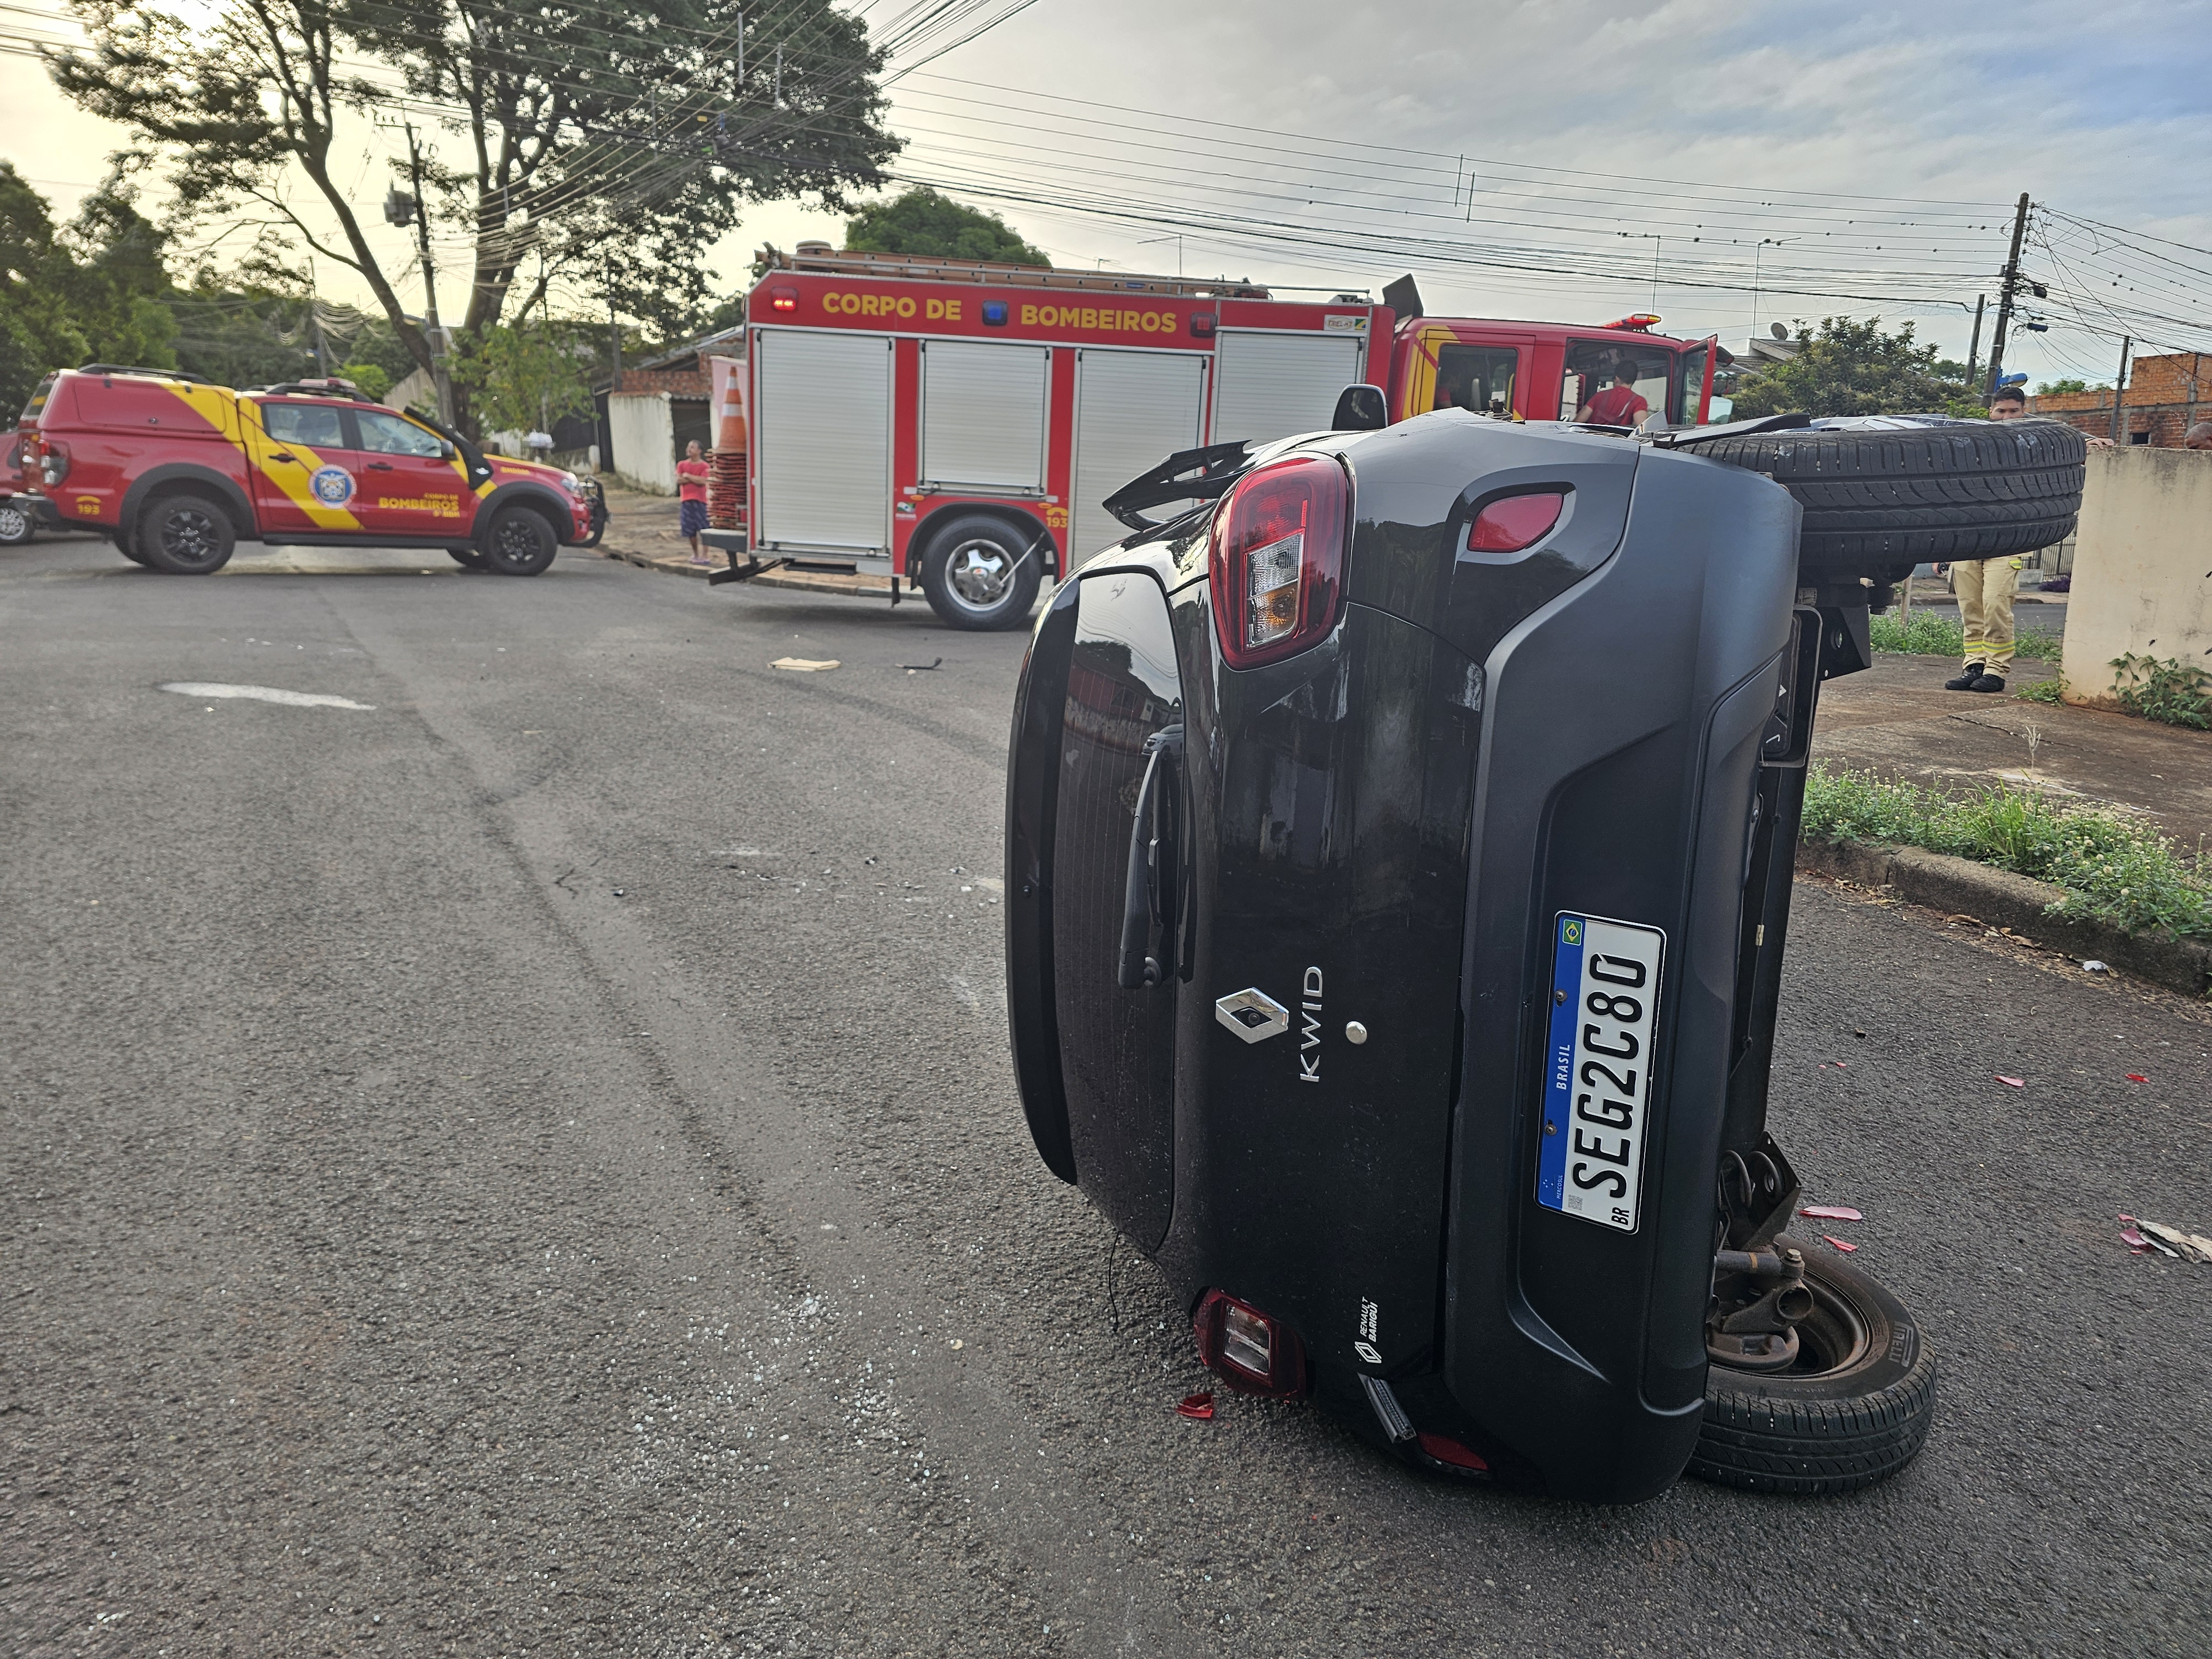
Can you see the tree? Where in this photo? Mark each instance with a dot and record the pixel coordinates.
(605, 144)
(2061, 387)
(1850, 366)
(372, 380)
(91, 291)
(528, 378)
(920, 221)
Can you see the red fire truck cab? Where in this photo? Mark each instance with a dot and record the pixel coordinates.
(955, 425)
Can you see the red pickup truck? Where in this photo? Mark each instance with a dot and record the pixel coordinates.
(176, 472)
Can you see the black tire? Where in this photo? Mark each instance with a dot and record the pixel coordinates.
(18, 523)
(184, 535)
(1854, 1408)
(467, 557)
(1878, 502)
(981, 573)
(519, 542)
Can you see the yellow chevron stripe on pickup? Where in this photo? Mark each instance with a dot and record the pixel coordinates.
(295, 478)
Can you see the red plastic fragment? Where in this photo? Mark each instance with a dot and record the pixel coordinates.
(2137, 1077)
(2012, 1082)
(1831, 1212)
(1451, 1452)
(1198, 1406)
(1847, 1248)
(2133, 1238)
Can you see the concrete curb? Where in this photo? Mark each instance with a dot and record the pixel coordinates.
(1998, 898)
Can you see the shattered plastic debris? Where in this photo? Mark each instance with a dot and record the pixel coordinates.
(2012, 1082)
(922, 667)
(2137, 1243)
(2137, 1077)
(1847, 1247)
(2095, 968)
(2188, 1246)
(804, 664)
(1196, 1406)
(1831, 1212)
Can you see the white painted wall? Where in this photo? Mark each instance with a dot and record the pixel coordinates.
(2143, 566)
(642, 429)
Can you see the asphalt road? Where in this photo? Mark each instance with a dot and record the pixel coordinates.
(530, 1165)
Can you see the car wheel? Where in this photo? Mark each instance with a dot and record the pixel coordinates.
(467, 557)
(185, 536)
(16, 525)
(1892, 497)
(1851, 1409)
(519, 543)
(981, 573)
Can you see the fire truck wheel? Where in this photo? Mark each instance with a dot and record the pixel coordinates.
(981, 573)
(1851, 1409)
(185, 535)
(519, 543)
(16, 525)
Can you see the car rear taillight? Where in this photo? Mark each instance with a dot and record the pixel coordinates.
(53, 462)
(1253, 1353)
(783, 299)
(1277, 559)
(1513, 522)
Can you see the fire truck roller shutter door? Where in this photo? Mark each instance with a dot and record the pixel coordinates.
(1132, 410)
(983, 415)
(1270, 386)
(824, 435)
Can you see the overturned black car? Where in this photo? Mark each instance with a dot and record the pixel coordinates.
(1399, 857)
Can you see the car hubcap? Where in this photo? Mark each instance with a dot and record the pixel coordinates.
(516, 544)
(12, 523)
(189, 537)
(980, 572)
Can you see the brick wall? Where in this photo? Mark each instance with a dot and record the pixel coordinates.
(2156, 402)
(676, 382)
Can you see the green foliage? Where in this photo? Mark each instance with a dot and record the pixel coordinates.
(2161, 689)
(523, 379)
(1933, 634)
(2052, 691)
(2050, 388)
(2117, 869)
(371, 379)
(92, 290)
(1850, 367)
(920, 221)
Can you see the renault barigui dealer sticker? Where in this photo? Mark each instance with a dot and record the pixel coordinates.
(1597, 1081)
(332, 486)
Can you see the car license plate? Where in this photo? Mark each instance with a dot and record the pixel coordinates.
(1597, 1083)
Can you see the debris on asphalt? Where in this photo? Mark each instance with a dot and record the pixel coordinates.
(957, 1345)
(1199, 1406)
(1831, 1212)
(922, 667)
(2095, 968)
(2187, 1247)
(2012, 1082)
(1846, 1247)
(804, 664)
(2137, 1077)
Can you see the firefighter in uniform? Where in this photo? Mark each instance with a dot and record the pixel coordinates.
(1985, 588)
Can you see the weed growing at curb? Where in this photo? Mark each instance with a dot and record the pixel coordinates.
(2114, 869)
(2050, 692)
(2162, 689)
(1931, 635)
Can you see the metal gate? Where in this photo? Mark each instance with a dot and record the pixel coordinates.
(1132, 410)
(1269, 385)
(983, 411)
(822, 440)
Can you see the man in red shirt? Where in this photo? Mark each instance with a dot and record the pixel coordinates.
(692, 494)
(1618, 404)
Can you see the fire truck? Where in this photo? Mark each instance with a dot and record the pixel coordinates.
(955, 426)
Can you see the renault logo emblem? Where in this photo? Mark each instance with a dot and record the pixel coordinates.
(1253, 1015)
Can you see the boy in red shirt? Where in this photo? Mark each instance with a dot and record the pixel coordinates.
(1618, 404)
(692, 494)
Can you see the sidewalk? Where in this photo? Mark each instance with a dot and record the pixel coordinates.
(641, 529)
(1896, 720)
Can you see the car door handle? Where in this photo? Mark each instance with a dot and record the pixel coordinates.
(1149, 888)
(379, 466)
(280, 455)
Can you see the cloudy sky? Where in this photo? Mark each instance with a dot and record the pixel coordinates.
(1562, 159)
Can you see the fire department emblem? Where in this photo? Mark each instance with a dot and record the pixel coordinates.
(332, 486)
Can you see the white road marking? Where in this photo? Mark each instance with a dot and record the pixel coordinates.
(264, 694)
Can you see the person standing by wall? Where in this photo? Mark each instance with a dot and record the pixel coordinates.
(691, 474)
(1986, 589)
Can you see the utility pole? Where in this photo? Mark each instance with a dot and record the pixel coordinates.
(2004, 298)
(322, 346)
(440, 373)
(1974, 351)
(2119, 389)
(614, 330)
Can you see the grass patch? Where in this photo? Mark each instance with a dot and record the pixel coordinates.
(2161, 689)
(1933, 635)
(2050, 692)
(2117, 869)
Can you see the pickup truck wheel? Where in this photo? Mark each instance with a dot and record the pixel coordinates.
(467, 557)
(981, 573)
(1853, 1409)
(518, 544)
(1881, 496)
(185, 536)
(16, 525)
